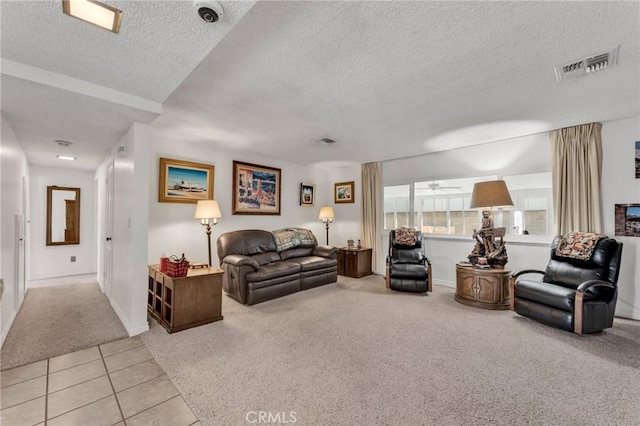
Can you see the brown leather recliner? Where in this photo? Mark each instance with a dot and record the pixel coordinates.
(574, 295)
(408, 269)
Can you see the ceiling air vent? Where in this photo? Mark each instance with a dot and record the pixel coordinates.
(588, 64)
(324, 141)
(62, 143)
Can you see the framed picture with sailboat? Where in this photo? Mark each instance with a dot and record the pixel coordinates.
(184, 181)
(256, 189)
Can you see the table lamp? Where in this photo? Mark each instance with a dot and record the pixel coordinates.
(208, 212)
(487, 195)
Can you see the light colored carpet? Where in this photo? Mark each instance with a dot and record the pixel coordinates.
(61, 319)
(355, 353)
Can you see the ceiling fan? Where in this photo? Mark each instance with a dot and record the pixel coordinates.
(434, 186)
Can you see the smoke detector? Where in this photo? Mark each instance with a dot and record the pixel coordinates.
(587, 65)
(62, 143)
(324, 141)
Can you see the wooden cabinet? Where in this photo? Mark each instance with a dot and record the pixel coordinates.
(483, 288)
(354, 263)
(178, 303)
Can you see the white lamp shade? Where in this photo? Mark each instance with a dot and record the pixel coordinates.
(326, 213)
(207, 209)
(493, 193)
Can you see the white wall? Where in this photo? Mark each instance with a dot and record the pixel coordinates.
(528, 155)
(130, 227)
(55, 261)
(619, 186)
(173, 230)
(13, 168)
(346, 225)
(144, 229)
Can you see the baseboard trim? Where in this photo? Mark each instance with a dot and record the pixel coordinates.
(627, 313)
(7, 326)
(61, 275)
(132, 329)
(444, 283)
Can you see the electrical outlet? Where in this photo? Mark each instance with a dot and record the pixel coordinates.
(73, 259)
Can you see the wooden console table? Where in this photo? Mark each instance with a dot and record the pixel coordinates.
(178, 303)
(482, 288)
(354, 263)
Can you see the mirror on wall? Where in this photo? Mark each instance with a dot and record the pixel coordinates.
(63, 215)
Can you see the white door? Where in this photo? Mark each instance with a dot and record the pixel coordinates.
(108, 231)
(19, 262)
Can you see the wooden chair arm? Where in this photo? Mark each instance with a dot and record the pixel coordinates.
(594, 283)
(519, 272)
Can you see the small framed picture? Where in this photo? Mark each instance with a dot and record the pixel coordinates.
(307, 194)
(627, 220)
(184, 181)
(343, 192)
(637, 159)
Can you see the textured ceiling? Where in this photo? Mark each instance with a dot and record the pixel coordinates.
(61, 68)
(386, 79)
(159, 43)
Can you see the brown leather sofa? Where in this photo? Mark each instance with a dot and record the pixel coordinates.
(254, 270)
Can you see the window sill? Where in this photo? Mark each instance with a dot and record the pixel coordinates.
(524, 240)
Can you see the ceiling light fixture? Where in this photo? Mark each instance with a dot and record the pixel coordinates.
(66, 157)
(94, 12)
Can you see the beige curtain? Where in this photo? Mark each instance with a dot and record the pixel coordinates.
(576, 169)
(371, 222)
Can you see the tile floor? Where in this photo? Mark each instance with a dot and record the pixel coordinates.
(118, 383)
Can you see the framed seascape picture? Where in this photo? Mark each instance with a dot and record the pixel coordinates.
(343, 192)
(184, 181)
(627, 218)
(256, 189)
(307, 194)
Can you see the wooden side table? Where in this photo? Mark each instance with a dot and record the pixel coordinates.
(178, 303)
(354, 263)
(482, 288)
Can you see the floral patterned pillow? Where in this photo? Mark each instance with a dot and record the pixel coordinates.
(406, 236)
(578, 245)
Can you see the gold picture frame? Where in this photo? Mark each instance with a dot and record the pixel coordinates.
(343, 192)
(184, 181)
(256, 189)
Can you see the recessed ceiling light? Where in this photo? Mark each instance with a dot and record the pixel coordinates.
(66, 157)
(94, 12)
